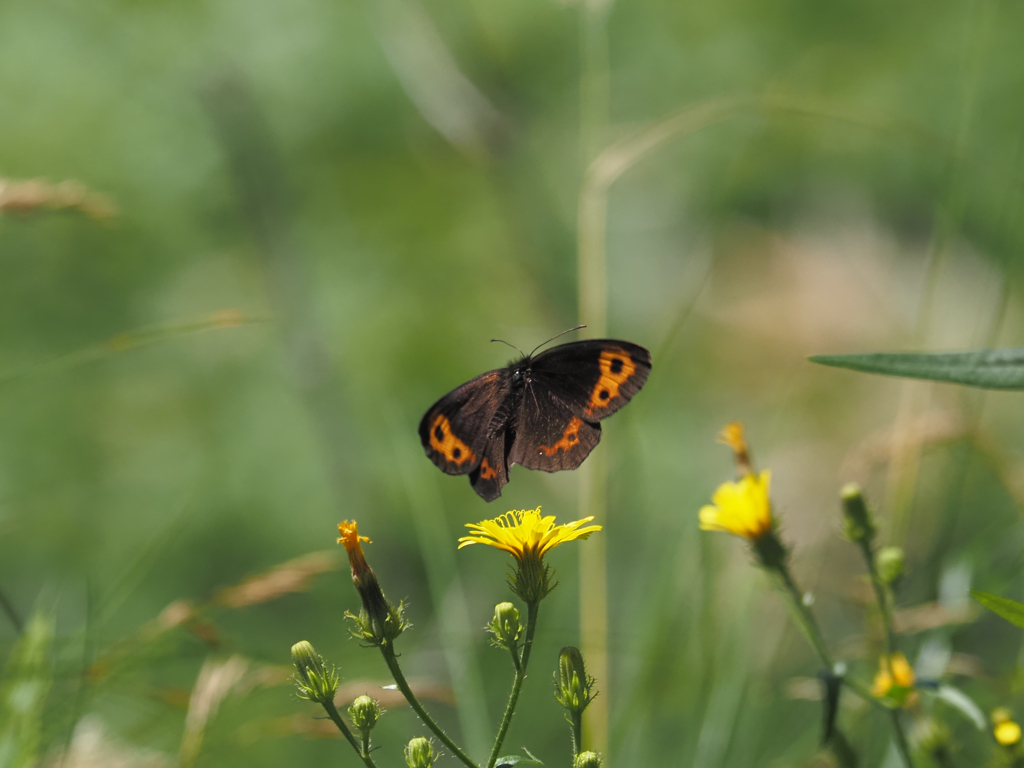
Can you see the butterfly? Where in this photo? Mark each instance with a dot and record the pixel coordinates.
(542, 412)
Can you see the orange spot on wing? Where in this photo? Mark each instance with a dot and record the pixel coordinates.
(617, 367)
(446, 443)
(570, 439)
(487, 472)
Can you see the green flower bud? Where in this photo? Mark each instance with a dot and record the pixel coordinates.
(312, 677)
(587, 760)
(505, 626)
(573, 684)
(889, 562)
(860, 527)
(419, 753)
(364, 713)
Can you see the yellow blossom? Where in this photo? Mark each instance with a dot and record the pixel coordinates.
(524, 534)
(1007, 732)
(895, 679)
(742, 508)
(527, 536)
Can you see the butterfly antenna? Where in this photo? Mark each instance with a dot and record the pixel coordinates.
(557, 336)
(517, 349)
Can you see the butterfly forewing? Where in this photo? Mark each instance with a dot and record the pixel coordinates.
(454, 432)
(595, 377)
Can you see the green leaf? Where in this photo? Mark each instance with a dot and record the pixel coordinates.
(963, 703)
(1009, 609)
(987, 368)
(529, 759)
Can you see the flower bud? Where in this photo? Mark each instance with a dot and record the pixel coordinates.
(364, 713)
(573, 686)
(312, 677)
(419, 753)
(860, 527)
(505, 626)
(1006, 732)
(587, 760)
(889, 562)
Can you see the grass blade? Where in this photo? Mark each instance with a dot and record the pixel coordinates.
(1008, 609)
(986, 368)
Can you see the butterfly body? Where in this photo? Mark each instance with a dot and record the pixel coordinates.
(540, 411)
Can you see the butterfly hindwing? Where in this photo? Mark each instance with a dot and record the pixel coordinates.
(491, 473)
(595, 377)
(549, 436)
(454, 432)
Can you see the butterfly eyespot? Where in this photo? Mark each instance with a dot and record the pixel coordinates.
(439, 433)
(456, 453)
(446, 443)
(604, 392)
(616, 366)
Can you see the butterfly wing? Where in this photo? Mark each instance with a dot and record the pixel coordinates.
(456, 431)
(594, 377)
(491, 473)
(549, 435)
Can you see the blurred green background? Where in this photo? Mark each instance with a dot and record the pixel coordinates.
(327, 208)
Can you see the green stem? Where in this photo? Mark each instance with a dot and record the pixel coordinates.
(517, 684)
(900, 737)
(364, 753)
(805, 619)
(885, 609)
(577, 733)
(388, 652)
(12, 615)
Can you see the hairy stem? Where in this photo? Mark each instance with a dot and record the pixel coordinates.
(517, 684)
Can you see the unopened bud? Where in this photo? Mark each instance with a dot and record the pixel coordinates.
(312, 677)
(587, 760)
(889, 562)
(573, 685)
(364, 713)
(505, 626)
(419, 753)
(859, 525)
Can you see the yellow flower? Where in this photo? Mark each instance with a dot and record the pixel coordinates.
(527, 536)
(895, 680)
(524, 534)
(379, 622)
(1005, 730)
(741, 508)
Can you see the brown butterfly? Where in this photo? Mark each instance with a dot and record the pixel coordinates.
(541, 412)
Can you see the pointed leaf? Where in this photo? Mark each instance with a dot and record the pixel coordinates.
(986, 368)
(510, 760)
(963, 703)
(1009, 609)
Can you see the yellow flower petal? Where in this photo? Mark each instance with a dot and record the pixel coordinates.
(742, 508)
(1007, 733)
(523, 533)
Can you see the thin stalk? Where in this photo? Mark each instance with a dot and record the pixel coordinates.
(577, 733)
(805, 619)
(12, 615)
(364, 752)
(517, 684)
(388, 652)
(885, 609)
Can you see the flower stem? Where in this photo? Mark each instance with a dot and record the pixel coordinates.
(804, 618)
(363, 751)
(517, 684)
(388, 652)
(885, 609)
(577, 733)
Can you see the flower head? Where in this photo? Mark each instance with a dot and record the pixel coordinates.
(733, 436)
(378, 622)
(741, 508)
(527, 536)
(895, 680)
(1007, 732)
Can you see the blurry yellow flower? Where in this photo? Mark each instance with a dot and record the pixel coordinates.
(732, 435)
(524, 534)
(1005, 730)
(349, 530)
(527, 536)
(741, 508)
(895, 680)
